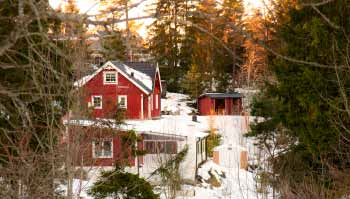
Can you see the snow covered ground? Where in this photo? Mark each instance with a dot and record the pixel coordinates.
(233, 182)
(222, 181)
(176, 104)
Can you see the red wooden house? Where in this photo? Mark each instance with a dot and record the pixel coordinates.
(220, 104)
(99, 144)
(133, 86)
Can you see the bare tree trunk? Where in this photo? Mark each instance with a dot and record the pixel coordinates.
(127, 29)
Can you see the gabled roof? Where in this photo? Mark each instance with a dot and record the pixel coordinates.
(222, 95)
(147, 68)
(141, 74)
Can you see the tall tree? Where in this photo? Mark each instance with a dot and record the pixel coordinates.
(232, 23)
(217, 47)
(168, 43)
(254, 69)
(306, 110)
(35, 81)
(119, 43)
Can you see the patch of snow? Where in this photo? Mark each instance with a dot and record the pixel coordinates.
(176, 104)
(246, 90)
(80, 188)
(173, 125)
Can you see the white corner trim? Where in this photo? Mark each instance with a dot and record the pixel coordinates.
(160, 79)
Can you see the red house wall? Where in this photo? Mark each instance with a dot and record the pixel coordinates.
(233, 106)
(109, 93)
(81, 139)
(205, 105)
(237, 106)
(156, 91)
(228, 106)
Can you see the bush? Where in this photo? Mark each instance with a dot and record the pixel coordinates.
(121, 184)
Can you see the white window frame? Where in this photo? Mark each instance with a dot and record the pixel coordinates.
(103, 154)
(93, 104)
(126, 101)
(105, 73)
(157, 104)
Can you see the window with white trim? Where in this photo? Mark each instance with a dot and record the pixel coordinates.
(122, 101)
(157, 101)
(96, 101)
(110, 77)
(102, 148)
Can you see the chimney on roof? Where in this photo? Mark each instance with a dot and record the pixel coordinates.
(132, 74)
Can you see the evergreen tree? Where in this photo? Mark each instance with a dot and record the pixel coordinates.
(254, 69)
(119, 44)
(213, 66)
(35, 80)
(113, 45)
(232, 23)
(168, 40)
(304, 110)
(121, 184)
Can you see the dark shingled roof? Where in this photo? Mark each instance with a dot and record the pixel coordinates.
(222, 95)
(147, 68)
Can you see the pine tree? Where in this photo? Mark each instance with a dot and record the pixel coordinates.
(304, 109)
(118, 43)
(213, 64)
(254, 70)
(232, 24)
(119, 183)
(71, 29)
(168, 40)
(35, 79)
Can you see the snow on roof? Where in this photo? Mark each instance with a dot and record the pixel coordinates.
(222, 95)
(172, 125)
(167, 125)
(143, 80)
(82, 81)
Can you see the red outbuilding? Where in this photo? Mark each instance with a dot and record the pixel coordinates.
(220, 104)
(133, 86)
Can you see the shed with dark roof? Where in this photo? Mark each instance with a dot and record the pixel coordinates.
(220, 104)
